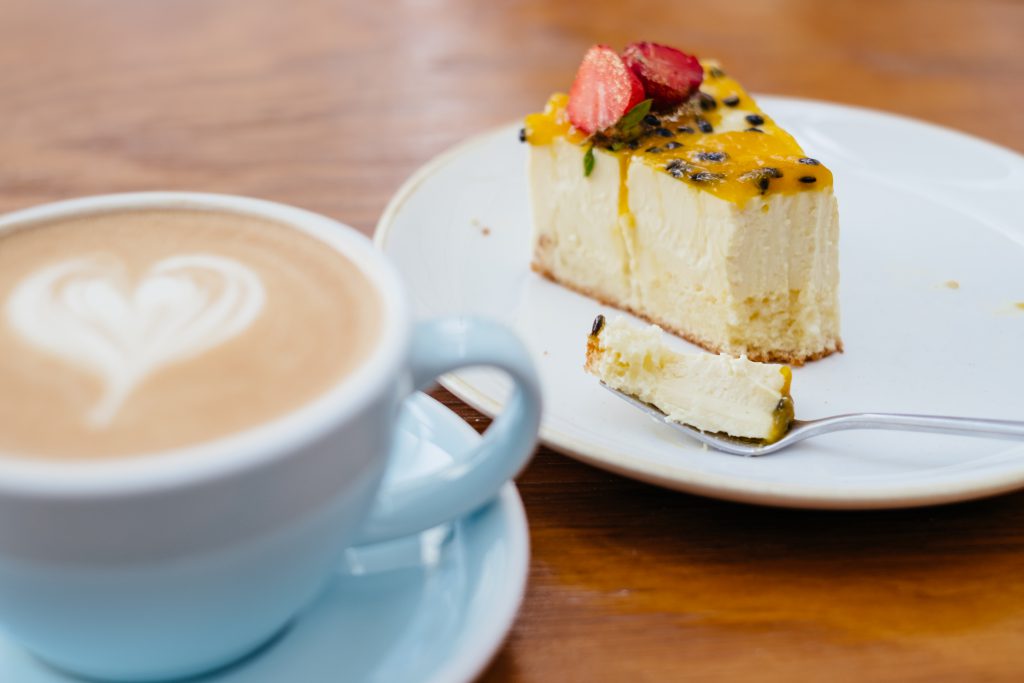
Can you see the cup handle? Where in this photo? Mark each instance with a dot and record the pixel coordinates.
(440, 346)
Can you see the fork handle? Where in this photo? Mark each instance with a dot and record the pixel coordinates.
(966, 426)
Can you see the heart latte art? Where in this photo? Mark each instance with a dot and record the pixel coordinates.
(90, 313)
(141, 331)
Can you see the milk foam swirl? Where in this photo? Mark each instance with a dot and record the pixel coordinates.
(87, 312)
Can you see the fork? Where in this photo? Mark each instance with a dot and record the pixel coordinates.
(805, 429)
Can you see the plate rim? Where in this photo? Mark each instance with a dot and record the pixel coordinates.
(700, 482)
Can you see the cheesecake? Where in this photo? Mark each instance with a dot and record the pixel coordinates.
(711, 392)
(696, 211)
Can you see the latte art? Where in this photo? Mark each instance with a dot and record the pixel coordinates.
(139, 331)
(89, 313)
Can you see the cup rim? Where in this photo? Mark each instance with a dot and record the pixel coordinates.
(253, 446)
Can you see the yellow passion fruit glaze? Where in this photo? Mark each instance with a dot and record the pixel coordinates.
(719, 142)
(784, 412)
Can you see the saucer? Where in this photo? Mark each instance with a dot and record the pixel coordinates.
(433, 608)
(932, 299)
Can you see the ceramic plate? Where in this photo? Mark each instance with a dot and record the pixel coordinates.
(433, 608)
(932, 293)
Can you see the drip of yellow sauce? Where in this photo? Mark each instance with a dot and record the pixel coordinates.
(754, 163)
(787, 376)
(784, 411)
(625, 217)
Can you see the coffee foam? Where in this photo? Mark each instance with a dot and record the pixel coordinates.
(87, 312)
(138, 331)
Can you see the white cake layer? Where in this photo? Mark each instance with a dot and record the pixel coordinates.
(715, 393)
(759, 279)
(577, 235)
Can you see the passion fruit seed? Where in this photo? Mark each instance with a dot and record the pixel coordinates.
(522, 135)
(762, 172)
(704, 126)
(673, 145)
(715, 72)
(652, 120)
(685, 129)
(707, 102)
(753, 130)
(761, 177)
(807, 179)
(809, 161)
(731, 101)
(716, 157)
(653, 150)
(707, 177)
(755, 119)
(678, 168)
(598, 325)
(664, 132)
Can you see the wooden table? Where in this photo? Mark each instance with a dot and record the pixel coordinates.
(330, 105)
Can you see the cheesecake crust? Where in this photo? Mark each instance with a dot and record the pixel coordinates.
(757, 355)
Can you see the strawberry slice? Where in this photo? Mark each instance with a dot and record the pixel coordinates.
(603, 91)
(668, 75)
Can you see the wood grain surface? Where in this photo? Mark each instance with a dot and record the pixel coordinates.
(330, 105)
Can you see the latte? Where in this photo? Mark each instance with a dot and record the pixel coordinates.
(136, 331)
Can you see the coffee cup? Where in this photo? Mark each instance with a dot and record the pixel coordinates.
(198, 397)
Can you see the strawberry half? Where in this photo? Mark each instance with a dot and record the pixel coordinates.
(668, 75)
(604, 90)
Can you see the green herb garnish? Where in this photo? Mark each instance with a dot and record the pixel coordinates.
(618, 138)
(634, 116)
(588, 161)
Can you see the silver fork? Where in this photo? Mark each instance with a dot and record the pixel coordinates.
(805, 429)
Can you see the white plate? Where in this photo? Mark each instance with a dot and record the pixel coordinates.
(433, 608)
(920, 206)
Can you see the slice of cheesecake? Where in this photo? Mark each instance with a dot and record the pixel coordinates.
(714, 393)
(704, 217)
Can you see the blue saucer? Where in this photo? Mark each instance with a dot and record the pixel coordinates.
(435, 607)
